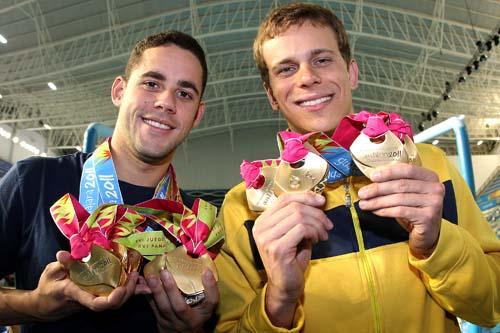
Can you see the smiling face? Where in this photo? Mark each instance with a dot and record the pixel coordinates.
(309, 81)
(158, 105)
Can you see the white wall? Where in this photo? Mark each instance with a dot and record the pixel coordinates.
(483, 166)
(13, 152)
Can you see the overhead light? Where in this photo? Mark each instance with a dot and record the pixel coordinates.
(496, 39)
(435, 142)
(480, 142)
(446, 97)
(483, 57)
(4, 133)
(1, 96)
(435, 113)
(469, 70)
(52, 85)
(421, 126)
(479, 44)
(15, 139)
(47, 126)
(429, 116)
(476, 64)
(461, 79)
(3, 40)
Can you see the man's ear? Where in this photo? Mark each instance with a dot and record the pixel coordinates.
(117, 90)
(353, 74)
(270, 97)
(199, 114)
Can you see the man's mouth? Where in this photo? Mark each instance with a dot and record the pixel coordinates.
(156, 124)
(316, 101)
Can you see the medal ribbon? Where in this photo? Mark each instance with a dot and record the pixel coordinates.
(99, 182)
(104, 225)
(197, 229)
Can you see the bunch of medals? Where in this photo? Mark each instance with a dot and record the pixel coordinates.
(109, 239)
(361, 143)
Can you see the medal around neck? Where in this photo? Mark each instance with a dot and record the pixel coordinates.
(308, 174)
(99, 273)
(371, 153)
(185, 270)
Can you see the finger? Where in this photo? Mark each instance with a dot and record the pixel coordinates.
(117, 300)
(400, 199)
(55, 271)
(141, 288)
(306, 198)
(282, 221)
(161, 300)
(296, 219)
(400, 186)
(179, 306)
(211, 291)
(295, 236)
(403, 170)
(403, 214)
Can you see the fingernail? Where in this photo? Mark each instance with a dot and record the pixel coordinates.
(362, 204)
(152, 281)
(362, 192)
(376, 175)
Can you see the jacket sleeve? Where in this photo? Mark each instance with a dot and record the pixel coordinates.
(463, 273)
(242, 287)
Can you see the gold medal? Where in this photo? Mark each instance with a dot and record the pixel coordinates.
(261, 198)
(309, 174)
(100, 274)
(368, 154)
(185, 270)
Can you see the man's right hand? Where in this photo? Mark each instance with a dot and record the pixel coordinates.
(57, 296)
(284, 235)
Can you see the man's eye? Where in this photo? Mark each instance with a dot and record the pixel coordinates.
(323, 61)
(151, 84)
(184, 94)
(285, 70)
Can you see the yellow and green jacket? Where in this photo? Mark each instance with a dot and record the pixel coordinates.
(363, 278)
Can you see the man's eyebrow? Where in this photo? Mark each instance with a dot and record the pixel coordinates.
(319, 51)
(154, 75)
(189, 85)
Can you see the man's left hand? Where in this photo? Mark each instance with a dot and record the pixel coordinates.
(414, 197)
(170, 308)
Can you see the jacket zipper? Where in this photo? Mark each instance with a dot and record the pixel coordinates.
(364, 258)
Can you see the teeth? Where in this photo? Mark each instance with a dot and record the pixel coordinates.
(315, 101)
(156, 124)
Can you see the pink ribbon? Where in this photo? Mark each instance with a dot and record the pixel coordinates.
(373, 125)
(250, 172)
(293, 150)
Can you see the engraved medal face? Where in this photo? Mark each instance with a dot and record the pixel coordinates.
(368, 154)
(307, 175)
(259, 199)
(185, 270)
(100, 274)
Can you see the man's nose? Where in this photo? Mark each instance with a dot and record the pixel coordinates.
(165, 101)
(307, 75)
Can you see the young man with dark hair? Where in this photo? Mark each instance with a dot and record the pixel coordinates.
(159, 101)
(404, 251)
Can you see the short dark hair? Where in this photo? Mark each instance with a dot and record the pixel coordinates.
(282, 18)
(169, 37)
